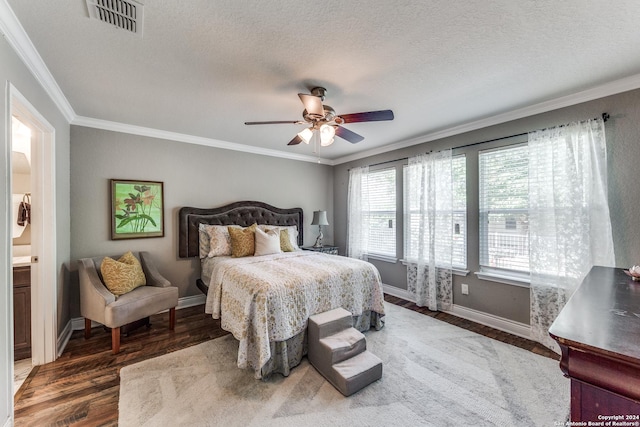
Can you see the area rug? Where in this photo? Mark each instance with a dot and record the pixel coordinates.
(434, 374)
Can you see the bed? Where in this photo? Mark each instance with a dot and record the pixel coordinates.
(265, 301)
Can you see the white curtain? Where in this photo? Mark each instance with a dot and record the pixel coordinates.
(358, 213)
(569, 223)
(429, 209)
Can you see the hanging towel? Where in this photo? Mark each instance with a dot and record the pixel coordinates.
(17, 229)
(24, 211)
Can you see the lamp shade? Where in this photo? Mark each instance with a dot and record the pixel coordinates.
(319, 218)
(327, 133)
(306, 135)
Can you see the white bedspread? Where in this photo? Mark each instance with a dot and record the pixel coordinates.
(269, 298)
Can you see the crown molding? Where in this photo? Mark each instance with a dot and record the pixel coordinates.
(601, 91)
(18, 39)
(21, 44)
(192, 139)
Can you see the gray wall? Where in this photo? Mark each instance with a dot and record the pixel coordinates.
(507, 301)
(13, 71)
(193, 175)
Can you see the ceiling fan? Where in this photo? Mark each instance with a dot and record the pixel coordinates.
(324, 120)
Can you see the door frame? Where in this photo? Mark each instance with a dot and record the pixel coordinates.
(44, 275)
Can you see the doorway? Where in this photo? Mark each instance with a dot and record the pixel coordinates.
(43, 274)
(21, 248)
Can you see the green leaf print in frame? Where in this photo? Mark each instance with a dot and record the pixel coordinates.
(137, 209)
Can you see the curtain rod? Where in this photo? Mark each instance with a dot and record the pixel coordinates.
(605, 117)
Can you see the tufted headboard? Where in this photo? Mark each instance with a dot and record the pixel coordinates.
(238, 213)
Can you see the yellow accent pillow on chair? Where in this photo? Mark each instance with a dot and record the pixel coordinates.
(123, 275)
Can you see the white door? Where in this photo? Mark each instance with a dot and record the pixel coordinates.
(43, 248)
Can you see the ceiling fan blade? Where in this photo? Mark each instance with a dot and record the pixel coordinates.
(295, 141)
(350, 136)
(370, 116)
(312, 104)
(289, 122)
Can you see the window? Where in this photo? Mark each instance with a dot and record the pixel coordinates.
(459, 222)
(459, 176)
(504, 208)
(382, 212)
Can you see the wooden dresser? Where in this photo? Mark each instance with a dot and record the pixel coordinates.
(21, 312)
(599, 334)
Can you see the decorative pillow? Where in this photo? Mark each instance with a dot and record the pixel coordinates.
(242, 241)
(285, 241)
(292, 233)
(123, 275)
(214, 240)
(267, 242)
(203, 240)
(219, 240)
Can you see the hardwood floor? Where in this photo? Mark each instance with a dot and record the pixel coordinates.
(21, 369)
(82, 387)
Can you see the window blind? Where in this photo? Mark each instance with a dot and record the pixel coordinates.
(458, 222)
(459, 201)
(504, 208)
(382, 212)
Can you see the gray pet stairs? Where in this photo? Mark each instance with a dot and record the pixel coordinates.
(339, 352)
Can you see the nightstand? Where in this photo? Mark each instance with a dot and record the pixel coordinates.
(333, 250)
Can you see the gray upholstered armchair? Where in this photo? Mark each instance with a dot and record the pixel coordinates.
(100, 305)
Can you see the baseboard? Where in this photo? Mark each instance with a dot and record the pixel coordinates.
(64, 337)
(397, 292)
(486, 319)
(516, 328)
(77, 324)
(185, 302)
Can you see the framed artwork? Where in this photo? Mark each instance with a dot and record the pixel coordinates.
(137, 209)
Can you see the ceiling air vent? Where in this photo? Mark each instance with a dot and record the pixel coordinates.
(125, 14)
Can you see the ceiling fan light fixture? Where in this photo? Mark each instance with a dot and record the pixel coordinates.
(306, 135)
(327, 133)
(323, 121)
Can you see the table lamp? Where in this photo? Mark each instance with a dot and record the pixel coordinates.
(319, 219)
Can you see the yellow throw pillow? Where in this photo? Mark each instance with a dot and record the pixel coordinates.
(285, 241)
(130, 259)
(123, 275)
(242, 241)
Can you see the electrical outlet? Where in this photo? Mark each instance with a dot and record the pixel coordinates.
(465, 289)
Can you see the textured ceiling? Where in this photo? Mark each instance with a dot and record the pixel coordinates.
(203, 68)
